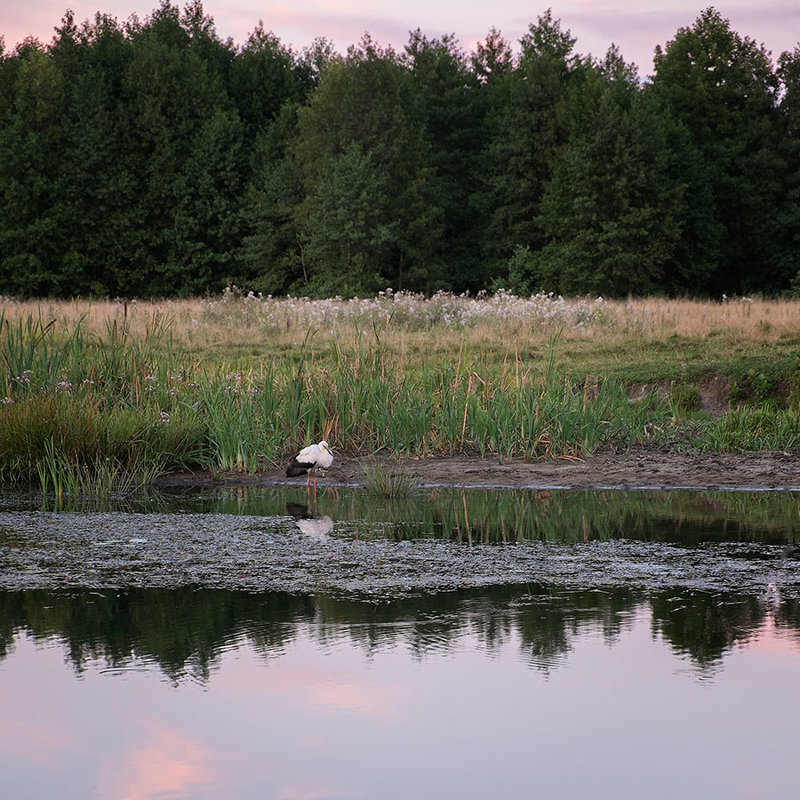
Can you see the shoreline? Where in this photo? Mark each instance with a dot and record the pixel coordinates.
(637, 468)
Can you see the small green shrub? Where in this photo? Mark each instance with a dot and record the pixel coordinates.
(391, 483)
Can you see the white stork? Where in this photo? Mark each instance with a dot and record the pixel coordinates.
(309, 460)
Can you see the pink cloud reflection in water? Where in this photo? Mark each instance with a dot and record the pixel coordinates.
(612, 718)
(165, 764)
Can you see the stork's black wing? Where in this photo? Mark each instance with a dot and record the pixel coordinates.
(296, 468)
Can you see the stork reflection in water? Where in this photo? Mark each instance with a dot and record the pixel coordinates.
(314, 525)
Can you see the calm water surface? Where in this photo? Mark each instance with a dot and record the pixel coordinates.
(528, 689)
(208, 694)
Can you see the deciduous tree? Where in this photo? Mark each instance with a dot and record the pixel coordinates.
(722, 88)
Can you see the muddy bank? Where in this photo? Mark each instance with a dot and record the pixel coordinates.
(636, 468)
(281, 552)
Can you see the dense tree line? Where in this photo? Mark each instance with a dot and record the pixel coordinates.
(153, 158)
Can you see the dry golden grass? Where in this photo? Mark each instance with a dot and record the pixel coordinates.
(749, 318)
(239, 317)
(656, 335)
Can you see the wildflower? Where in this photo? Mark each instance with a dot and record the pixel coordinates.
(149, 379)
(7, 401)
(174, 391)
(25, 378)
(64, 386)
(164, 416)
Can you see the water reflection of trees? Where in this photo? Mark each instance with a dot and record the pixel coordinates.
(186, 631)
(705, 626)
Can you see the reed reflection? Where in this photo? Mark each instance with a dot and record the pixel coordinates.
(490, 515)
(504, 516)
(185, 631)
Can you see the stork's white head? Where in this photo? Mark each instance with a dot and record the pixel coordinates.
(325, 446)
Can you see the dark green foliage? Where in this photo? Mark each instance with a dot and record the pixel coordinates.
(184, 136)
(369, 213)
(348, 226)
(270, 260)
(31, 238)
(722, 88)
(451, 118)
(153, 158)
(263, 77)
(611, 207)
(527, 125)
(788, 219)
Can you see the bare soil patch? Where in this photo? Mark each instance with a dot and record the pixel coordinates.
(636, 468)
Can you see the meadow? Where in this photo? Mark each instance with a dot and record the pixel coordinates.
(101, 396)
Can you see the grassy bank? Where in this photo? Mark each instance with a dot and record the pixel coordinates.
(98, 396)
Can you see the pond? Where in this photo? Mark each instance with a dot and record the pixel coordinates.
(463, 644)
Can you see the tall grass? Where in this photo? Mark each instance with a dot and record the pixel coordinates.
(749, 429)
(102, 396)
(237, 319)
(78, 445)
(88, 414)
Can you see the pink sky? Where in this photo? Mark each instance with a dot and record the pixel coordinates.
(636, 26)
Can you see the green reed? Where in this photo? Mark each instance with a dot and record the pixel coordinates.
(32, 355)
(101, 477)
(81, 408)
(76, 445)
(754, 428)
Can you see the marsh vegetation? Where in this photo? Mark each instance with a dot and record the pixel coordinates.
(98, 396)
